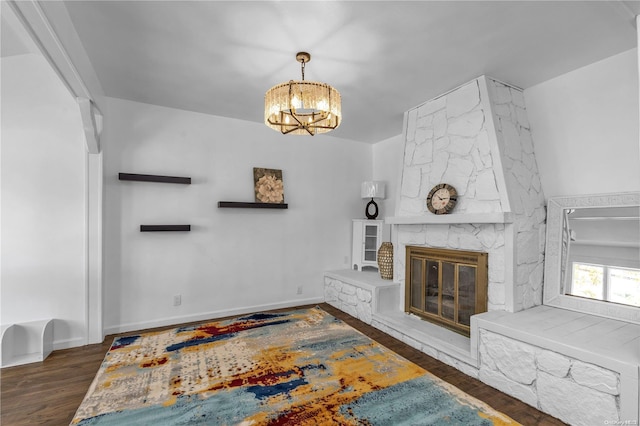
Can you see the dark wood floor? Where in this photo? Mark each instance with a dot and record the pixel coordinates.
(49, 392)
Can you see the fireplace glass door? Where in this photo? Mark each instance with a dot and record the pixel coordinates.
(446, 286)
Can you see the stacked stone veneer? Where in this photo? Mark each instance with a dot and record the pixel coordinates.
(348, 298)
(477, 138)
(576, 392)
(524, 191)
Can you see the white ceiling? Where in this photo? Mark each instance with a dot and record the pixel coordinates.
(220, 57)
(14, 39)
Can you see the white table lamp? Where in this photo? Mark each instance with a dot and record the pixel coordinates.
(372, 189)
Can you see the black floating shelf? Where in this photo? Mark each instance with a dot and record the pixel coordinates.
(162, 228)
(241, 205)
(154, 178)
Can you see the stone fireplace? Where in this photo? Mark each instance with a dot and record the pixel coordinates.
(477, 139)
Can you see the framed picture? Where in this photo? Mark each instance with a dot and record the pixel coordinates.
(268, 185)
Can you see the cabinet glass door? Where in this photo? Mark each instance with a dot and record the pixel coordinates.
(370, 243)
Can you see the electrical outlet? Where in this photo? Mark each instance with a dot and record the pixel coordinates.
(177, 300)
(299, 290)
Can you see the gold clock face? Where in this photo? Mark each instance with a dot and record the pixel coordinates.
(442, 199)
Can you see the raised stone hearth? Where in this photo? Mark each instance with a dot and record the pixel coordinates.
(537, 375)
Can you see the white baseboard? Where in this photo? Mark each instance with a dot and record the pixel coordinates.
(124, 328)
(68, 343)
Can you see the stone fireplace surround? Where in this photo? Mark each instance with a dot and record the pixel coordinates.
(477, 138)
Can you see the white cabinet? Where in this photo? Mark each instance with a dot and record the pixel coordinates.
(367, 237)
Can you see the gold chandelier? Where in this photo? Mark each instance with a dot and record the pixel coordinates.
(302, 107)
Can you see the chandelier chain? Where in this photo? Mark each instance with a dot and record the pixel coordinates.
(302, 68)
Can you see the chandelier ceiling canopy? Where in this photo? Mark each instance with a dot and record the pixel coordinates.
(302, 107)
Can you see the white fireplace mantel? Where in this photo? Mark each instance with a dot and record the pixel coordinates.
(450, 219)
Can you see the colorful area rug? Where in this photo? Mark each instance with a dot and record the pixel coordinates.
(302, 367)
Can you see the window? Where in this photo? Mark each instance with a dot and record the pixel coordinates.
(619, 249)
(602, 282)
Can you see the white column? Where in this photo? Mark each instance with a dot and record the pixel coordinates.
(93, 249)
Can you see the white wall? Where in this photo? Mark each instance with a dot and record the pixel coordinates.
(236, 259)
(43, 200)
(387, 166)
(233, 259)
(585, 128)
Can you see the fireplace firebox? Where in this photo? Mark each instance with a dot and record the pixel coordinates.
(446, 286)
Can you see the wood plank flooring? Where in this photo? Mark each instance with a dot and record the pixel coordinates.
(49, 392)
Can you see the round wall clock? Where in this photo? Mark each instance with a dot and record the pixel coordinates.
(442, 199)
